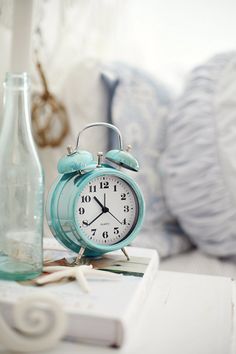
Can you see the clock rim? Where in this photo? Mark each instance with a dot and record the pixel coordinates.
(82, 183)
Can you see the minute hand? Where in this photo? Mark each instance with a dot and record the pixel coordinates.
(95, 218)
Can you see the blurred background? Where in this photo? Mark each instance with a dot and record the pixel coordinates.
(128, 62)
(165, 38)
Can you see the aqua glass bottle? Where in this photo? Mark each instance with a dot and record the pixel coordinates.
(21, 186)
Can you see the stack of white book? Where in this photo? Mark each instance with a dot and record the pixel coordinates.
(109, 311)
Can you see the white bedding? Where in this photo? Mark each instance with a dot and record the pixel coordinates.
(196, 262)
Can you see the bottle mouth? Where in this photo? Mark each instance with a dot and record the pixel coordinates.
(17, 81)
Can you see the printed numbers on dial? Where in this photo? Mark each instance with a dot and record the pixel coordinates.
(107, 210)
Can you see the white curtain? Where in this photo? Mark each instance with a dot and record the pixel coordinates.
(166, 38)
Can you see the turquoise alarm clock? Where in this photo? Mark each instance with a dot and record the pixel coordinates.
(93, 207)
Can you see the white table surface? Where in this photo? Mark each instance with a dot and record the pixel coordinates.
(183, 314)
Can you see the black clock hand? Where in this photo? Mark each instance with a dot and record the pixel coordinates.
(98, 201)
(107, 209)
(104, 208)
(95, 218)
(114, 217)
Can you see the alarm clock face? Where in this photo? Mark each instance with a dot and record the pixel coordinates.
(107, 210)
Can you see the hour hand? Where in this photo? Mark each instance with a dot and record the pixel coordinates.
(98, 201)
(104, 208)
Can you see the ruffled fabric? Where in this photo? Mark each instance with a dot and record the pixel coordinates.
(198, 166)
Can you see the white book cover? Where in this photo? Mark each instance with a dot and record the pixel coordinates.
(105, 315)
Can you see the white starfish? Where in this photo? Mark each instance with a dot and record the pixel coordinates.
(80, 273)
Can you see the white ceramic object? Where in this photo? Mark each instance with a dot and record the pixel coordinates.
(36, 328)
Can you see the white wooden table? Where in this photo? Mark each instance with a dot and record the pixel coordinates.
(184, 314)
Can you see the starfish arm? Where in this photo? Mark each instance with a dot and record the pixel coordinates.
(55, 276)
(81, 279)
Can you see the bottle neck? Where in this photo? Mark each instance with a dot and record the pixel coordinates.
(16, 100)
(16, 128)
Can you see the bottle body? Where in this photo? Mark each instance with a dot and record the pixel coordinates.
(21, 187)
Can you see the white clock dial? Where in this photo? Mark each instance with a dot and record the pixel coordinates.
(107, 210)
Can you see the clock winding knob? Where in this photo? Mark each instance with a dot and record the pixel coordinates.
(99, 155)
(69, 150)
(128, 148)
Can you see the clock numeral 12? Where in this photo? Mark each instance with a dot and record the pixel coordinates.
(104, 184)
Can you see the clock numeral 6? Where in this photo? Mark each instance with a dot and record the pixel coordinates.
(105, 234)
(126, 208)
(116, 230)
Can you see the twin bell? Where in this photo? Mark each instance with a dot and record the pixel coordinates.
(83, 161)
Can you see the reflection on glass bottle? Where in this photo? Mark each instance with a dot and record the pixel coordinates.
(21, 186)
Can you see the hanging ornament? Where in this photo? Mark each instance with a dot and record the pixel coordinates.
(49, 117)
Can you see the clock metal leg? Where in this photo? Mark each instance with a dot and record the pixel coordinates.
(80, 254)
(125, 253)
